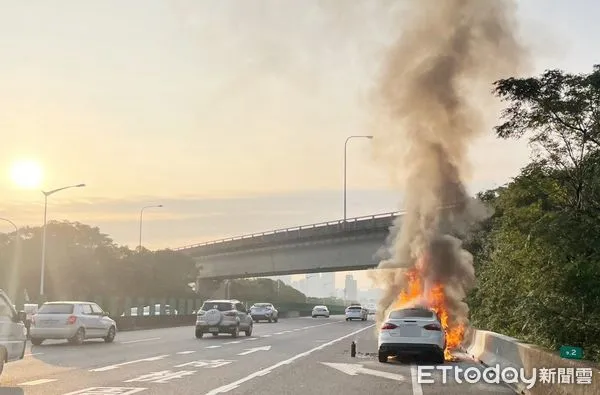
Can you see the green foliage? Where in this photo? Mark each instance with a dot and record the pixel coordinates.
(80, 260)
(538, 256)
(265, 290)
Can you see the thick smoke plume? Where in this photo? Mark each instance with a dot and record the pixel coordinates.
(431, 98)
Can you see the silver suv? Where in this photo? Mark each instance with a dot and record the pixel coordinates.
(13, 335)
(223, 316)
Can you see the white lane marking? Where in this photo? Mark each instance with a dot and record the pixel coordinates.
(140, 340)
(255, 349)
(236, 384)
(107, 391)
(216, 363)
(355, 369)
(118, 365)
(234, 342)
(252, 339)
(213, 347)
(278, 333)
(34, 354)
(38, 382)
(162, 377)
(266, 336)
(185, 352)
(416, 386)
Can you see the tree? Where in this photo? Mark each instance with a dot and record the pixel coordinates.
(560, 112)
(539, 278)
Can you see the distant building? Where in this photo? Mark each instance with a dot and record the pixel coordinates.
(350, 288)
(327, 286)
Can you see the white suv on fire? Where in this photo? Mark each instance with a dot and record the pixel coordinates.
(412, 331)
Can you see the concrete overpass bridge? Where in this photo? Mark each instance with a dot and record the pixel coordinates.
(353, 244)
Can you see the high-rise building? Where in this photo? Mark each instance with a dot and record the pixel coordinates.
(327, 284)
(351, 288)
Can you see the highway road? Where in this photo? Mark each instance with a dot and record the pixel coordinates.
(293, 356)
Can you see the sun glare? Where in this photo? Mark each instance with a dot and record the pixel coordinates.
(26, 174)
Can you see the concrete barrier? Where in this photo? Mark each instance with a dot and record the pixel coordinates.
(292, 314)
(493, 349)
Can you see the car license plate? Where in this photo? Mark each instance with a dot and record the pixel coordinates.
(410, 331)
(213, 330)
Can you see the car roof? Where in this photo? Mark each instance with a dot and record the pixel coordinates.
(70, 302)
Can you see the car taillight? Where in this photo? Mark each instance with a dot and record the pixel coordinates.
(71, 320)
(432, 327)
(388, 326)
(33, 320)
(201, 313)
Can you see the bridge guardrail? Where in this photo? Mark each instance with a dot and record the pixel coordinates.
(317, 229)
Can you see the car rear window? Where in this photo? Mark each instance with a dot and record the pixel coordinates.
(354, 308)
(262, 305)
(411, 313)
(221, 306)
(56, 309)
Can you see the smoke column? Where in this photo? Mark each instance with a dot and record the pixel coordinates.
(431, 101)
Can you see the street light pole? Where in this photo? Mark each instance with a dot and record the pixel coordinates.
(345, 165)
(141, 220)
(46, 194)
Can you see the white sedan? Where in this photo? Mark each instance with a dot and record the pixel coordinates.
(320, 311)
(412, 331)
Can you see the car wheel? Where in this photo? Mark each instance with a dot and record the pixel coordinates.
(236, 332)
(111, 335)
(215, 334)
(36, 342)
(382, 357)
(248, 332)
(270, 320)
(276, 319)
(78, 338)
(199, 334)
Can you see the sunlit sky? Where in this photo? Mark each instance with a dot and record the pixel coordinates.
(232, 114)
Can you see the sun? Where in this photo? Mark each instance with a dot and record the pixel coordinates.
(26, 174)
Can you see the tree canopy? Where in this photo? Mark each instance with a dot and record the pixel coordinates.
(538, 257)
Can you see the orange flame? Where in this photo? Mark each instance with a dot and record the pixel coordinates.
(434, 299)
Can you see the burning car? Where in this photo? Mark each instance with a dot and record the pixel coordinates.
(412, 331)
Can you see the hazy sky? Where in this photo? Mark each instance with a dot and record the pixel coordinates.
(232, 114)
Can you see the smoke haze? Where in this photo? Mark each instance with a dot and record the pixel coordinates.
(431, 101)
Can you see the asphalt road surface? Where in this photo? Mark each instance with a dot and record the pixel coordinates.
(294, 356)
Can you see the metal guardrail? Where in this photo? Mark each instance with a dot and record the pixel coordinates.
(292, 229)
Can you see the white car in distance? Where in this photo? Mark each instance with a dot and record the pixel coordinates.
(356, 312)
(320, 311)
(412, 331)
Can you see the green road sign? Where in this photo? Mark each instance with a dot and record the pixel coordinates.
(570, 352)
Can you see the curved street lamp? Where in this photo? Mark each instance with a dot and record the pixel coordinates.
(46, 194)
